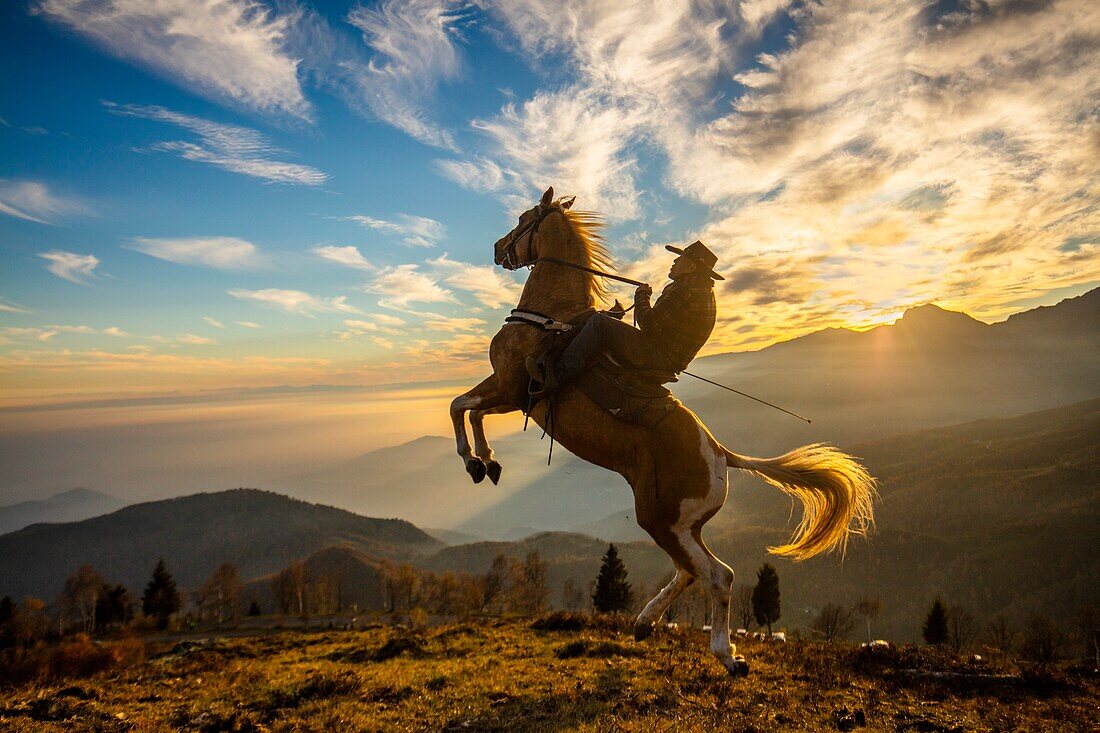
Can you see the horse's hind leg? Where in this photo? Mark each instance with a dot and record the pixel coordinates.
(481, 445)
(715, 575)
(483, 396)
(656, 608)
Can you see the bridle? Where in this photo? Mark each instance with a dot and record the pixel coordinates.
(511, 259)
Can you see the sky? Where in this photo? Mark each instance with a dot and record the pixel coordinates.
(218, 196)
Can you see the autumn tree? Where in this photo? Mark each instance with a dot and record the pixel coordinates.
(833, 622)
(612, 591)
(81, 596)
(28, 622)
(529, 591)
(161, 599)
(868, 609)
(113, 608)
(219, 595)
(289, 588)
(496, 584)
(934, 630)
(765, 597)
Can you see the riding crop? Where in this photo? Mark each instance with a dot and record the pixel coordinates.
(628, 281)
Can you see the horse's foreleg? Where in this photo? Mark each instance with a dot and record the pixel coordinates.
(459, 407)
(482, 398)
(481, 445)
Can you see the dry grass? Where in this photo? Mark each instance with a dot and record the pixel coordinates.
(506, 676)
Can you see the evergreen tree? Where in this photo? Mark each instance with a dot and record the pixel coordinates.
(765, 597)
(612, 589)
(934, 630)
(161, 599)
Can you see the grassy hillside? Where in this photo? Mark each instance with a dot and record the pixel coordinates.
(504, 676)
(259, 531)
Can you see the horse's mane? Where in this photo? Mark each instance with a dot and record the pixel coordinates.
(588, 226)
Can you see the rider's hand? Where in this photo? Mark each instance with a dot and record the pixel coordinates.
(643, 291)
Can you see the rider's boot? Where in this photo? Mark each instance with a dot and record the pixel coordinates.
(543, 373)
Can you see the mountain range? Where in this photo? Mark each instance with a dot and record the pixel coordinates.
(67, 506)
(933, 367)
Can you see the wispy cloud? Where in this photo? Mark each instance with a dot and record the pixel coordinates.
(192, 339)
(76, 268)
(349, 256)
(404, 284)
(47, 332)
(413, 231)
(599, 165)
(295, 301)
(487, 283)
(33, 201)
(229, 50)
(413, 46)
(249, 324)
(224, 253)
(10, 307)
(213, 322)
(234, 148)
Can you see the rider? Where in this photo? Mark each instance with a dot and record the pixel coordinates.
(672, 330)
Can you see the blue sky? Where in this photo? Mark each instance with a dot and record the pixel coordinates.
(201, 194)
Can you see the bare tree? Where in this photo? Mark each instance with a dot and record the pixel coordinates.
(962, 629)
(868, 608)
(1000, 636)
(1043, 642)
(833, 622)
(1089, 622)
(742, 607)
(81, 594)
(572, 597)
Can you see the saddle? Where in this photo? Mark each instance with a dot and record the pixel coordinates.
(637, 396)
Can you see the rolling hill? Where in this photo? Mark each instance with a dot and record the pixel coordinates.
(259, 531)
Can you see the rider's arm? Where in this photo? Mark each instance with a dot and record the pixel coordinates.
(642, 309)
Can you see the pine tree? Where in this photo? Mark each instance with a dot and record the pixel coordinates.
(765, 597)
(612, 589)
(161, 599)
(934, 630)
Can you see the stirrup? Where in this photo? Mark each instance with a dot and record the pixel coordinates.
(541, 373)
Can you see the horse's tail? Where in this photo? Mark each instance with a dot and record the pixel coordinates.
(836, 492)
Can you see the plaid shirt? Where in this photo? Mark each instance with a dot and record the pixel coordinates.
(681, 320)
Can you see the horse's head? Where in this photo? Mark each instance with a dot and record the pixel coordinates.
(519, 247)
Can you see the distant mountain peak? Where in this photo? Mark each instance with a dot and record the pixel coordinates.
(930, 315)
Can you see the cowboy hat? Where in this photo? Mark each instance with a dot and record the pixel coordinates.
(698, 253)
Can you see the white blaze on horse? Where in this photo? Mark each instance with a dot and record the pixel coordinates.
(677, 469)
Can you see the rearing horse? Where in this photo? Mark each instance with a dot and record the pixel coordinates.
(677, 469)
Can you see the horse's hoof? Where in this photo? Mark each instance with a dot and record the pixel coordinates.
(492, 470)
(642, 631)
(738, 667)
(476, 469)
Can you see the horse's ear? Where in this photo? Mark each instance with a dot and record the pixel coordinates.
(547, 197)
(567, 201)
